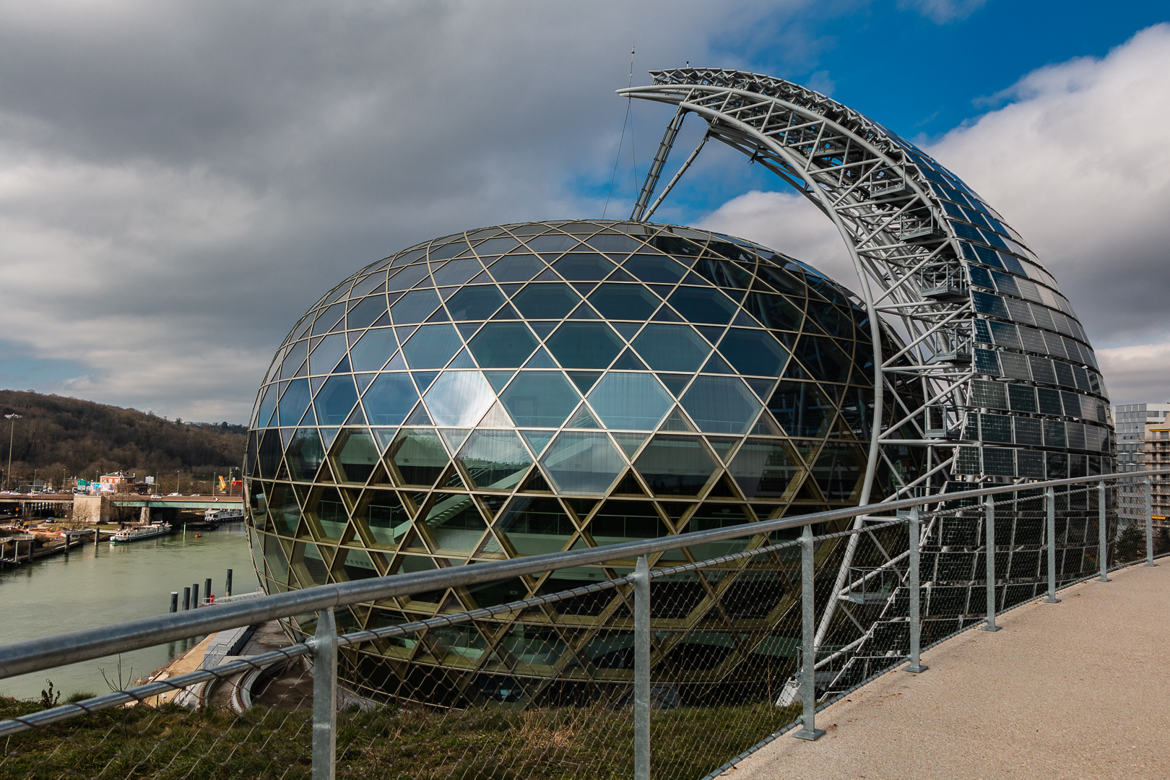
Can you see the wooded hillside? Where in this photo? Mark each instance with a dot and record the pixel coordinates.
(57, 435)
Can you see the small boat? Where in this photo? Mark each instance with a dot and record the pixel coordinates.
(141, 533)
(225, 515)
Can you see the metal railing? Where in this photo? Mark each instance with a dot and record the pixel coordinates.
(681, 654)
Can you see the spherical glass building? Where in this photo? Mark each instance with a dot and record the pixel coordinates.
(548, 386)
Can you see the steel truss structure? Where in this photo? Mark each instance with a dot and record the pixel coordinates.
(1003, 385)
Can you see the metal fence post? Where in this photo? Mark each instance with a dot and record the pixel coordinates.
(324, 644)
(808, 729)
(989, 556)
(1150, 522)
(642, 669)
(1102, 542)
(916, 664)
(1050, 532)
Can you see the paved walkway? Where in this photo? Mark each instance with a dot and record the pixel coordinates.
(1076, 689)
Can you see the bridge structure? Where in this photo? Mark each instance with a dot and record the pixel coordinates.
(87, 508)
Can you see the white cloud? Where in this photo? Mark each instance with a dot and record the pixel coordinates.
(1078, 163)
(943, 11)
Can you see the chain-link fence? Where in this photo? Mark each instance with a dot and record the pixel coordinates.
(677, 659)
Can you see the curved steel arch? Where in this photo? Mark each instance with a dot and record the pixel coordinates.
(1007, 384)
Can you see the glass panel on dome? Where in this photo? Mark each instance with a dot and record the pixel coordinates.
(475, 303)
(308, 567)
(675, 465)
(439, 251)
(456, 272)
(800, 408)
(540, 399)
(305, 454)
(328, 510)
(516, 268)
(697, 304)
(579, 266)
(407, 278)
(654, 268)
(328, 318)
(415, 306)
(283, 510)
(431, 346)
(838, 471)
(327, 353)
(385, 518)
(720, 404)
(753, 352)
(495, 246)
(458, 399)
(335, 400)
(774, 311)
(626, 521)
(296, 356)
(624, 301)
(293, 402)
(374, 349)
(671, 347)
(555, 242)
(582, 418)
(823, 358)
(546, 301)
(584, 344)
(419, 456)
(502, 344)
(357, 564)
(608, 242)
(267, 407)
(495, 460)
(582, 462)
(454, 522)
(365, 313)
(764, 469)
(630, 401)
(356, 456)
(535, 525)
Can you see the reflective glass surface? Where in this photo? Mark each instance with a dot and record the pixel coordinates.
(529, 388)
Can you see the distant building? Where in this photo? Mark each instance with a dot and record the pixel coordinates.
(1157, 456)
(1132, 422)
(116, 482)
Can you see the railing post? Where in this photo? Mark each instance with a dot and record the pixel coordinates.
(1050, 533)
(642, 669)
(1102, 542)
(989, 556)
(1150, 522)
(808, 729)
(916, 664)
(324, 645)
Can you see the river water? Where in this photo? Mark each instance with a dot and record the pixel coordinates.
(108, 585)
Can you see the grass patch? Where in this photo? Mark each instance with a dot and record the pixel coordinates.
(494, 741)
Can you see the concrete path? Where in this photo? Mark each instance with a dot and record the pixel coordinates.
(1077, 689)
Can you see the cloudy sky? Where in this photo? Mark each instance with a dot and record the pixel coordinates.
(179, 181)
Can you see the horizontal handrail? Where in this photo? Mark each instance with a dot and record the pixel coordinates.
(35, 654)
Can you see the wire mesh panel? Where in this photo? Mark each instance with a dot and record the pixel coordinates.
(543, 680)
(246, 719)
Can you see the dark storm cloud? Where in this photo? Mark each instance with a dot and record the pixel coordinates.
(187, 178)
